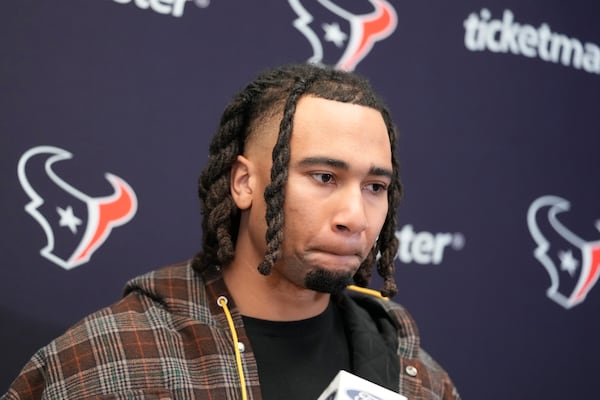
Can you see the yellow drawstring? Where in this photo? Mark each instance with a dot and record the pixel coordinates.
(222, 302)
(371, 292)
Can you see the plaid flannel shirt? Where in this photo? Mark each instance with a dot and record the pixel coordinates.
(168, 339)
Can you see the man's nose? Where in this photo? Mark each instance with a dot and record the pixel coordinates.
(350, 214)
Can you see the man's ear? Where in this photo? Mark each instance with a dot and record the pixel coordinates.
(241, 182)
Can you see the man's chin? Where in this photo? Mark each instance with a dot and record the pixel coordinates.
(321, 280)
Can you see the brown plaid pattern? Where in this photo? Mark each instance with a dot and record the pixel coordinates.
(168, 339)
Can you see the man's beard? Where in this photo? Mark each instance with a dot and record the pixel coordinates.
(325, 281)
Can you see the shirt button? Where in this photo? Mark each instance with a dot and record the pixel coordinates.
(410, 370)
(241, 347)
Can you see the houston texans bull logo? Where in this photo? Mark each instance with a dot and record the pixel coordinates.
(572, 263)
(346, 37)
(75, 224)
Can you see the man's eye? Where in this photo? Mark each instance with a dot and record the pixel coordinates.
(376, 187)
(324, 177)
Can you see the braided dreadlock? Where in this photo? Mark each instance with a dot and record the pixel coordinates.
(276, 92)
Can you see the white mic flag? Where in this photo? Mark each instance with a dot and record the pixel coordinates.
(347, 386)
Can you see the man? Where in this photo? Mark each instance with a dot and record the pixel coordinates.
(299, 200)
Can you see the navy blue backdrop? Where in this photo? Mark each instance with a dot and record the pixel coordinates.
(107, 106)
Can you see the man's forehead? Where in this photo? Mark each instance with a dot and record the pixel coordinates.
(353, 133)
(317, 112)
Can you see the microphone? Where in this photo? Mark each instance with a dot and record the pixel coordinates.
(347, 386)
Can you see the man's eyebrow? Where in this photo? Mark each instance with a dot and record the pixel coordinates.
(378, 171)
(312, 161)
(339, 164)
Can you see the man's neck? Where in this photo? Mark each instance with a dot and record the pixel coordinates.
(271, 297)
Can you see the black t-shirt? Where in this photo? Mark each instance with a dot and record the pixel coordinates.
(298, 359)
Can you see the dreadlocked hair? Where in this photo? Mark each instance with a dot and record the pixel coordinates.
(276, 93)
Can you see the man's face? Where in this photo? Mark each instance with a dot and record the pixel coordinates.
(336, 193)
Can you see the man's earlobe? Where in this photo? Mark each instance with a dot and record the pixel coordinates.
(240, 185)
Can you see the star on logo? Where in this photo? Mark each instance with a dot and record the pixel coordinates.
(68, 219)
(334, 34)
(568, 262)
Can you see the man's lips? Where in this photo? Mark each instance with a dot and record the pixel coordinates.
(337, 255)
(342, 249)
